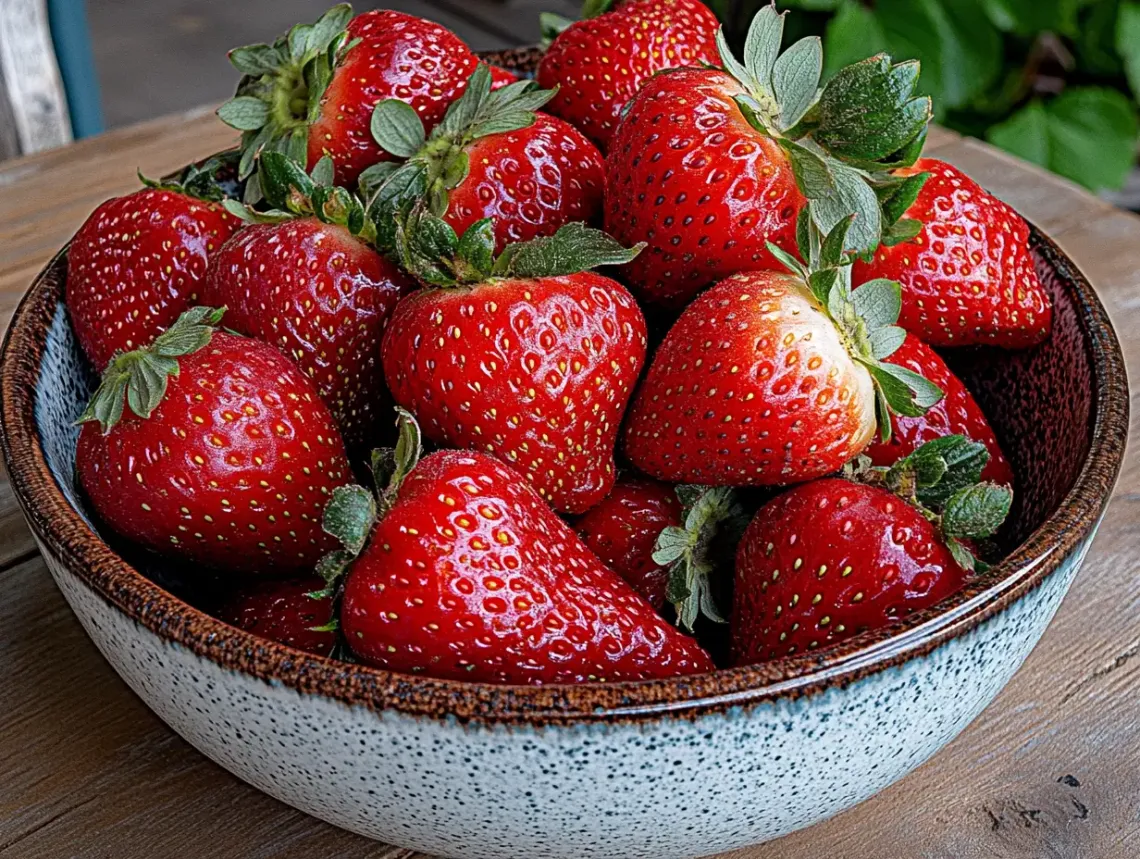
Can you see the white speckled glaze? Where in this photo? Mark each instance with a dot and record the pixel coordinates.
(670, 787)
(727, 772)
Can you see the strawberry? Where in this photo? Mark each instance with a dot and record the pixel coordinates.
(708, 166)
(304, 278)
(831, 559)
(529, 357)
(967, 274)
(772, 378)
(492, 156)
(284, 612)
(461, 571)
(956, 414)
(623, 530)
(501, 77)
(226, 456)
(601, 62)
(311, 93)
(135, 264)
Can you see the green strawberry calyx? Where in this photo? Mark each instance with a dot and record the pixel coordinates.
(353, 511)
(279, 95)
(712, 518)
(943, 481)
(199, 181)
(429, 166)
(292, 193)
(139, 379)
(553, 24)
(429, 249)
(866, 318)
(843, 140)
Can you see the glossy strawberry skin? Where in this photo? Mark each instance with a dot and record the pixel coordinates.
(968, 278)
(283, 612)
(323, 297)
(536, 372)
(957, 413)
(232, 470)
(751, 387)
(399, 56)
(136, 264)
(689, 176)
(831, 559)
(531, 182)
(623, 530)
(600, 63)
(472, 577)
(501, 77)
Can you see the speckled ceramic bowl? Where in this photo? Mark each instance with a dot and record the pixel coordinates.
(678, 768)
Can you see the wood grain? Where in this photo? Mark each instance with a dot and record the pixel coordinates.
(1050, 771)
(31, 82)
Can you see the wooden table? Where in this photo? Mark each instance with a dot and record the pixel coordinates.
(1050, 770)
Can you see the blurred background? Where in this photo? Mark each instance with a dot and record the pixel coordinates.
(1053, 81)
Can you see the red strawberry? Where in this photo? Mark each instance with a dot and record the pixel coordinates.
(136, 263)
(317, 99)
(492, 157)
(283, 612)
(707, 167)
(226, 456)
(957, 413)
(967, 276)
(600, 63)
(315, 290)
(520, 357)
(501, 77)
(623, 530)
(831, 559)
(772, 378)
(469, 575)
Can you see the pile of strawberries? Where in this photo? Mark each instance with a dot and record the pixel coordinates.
(736, 439)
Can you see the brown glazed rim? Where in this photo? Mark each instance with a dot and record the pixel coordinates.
(78, 548)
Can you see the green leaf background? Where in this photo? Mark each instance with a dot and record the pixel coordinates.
(1055, 82)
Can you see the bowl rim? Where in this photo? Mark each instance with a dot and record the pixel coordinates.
(64, 534)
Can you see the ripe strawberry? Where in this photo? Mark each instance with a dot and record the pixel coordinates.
(283, 612)
(492, 157)
(600, 63)
(501, 77)
(831, 559)
(530, 357)
(136, 263)
(469, 575)
(708, 166)
(623, 530)
(305, 279)
(957, 413)
(312, 93)
(226, 456)
(967, 275)
(772, 378)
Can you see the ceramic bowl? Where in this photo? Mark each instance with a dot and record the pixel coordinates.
(678, 768)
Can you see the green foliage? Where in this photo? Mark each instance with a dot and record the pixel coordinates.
(1053, 81)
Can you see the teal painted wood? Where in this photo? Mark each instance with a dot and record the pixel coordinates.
(72, 40)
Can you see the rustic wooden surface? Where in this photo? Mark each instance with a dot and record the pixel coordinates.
(1050, 771)
(33, 105)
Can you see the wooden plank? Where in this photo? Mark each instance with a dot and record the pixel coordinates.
(1048, 771)
(34, 88)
